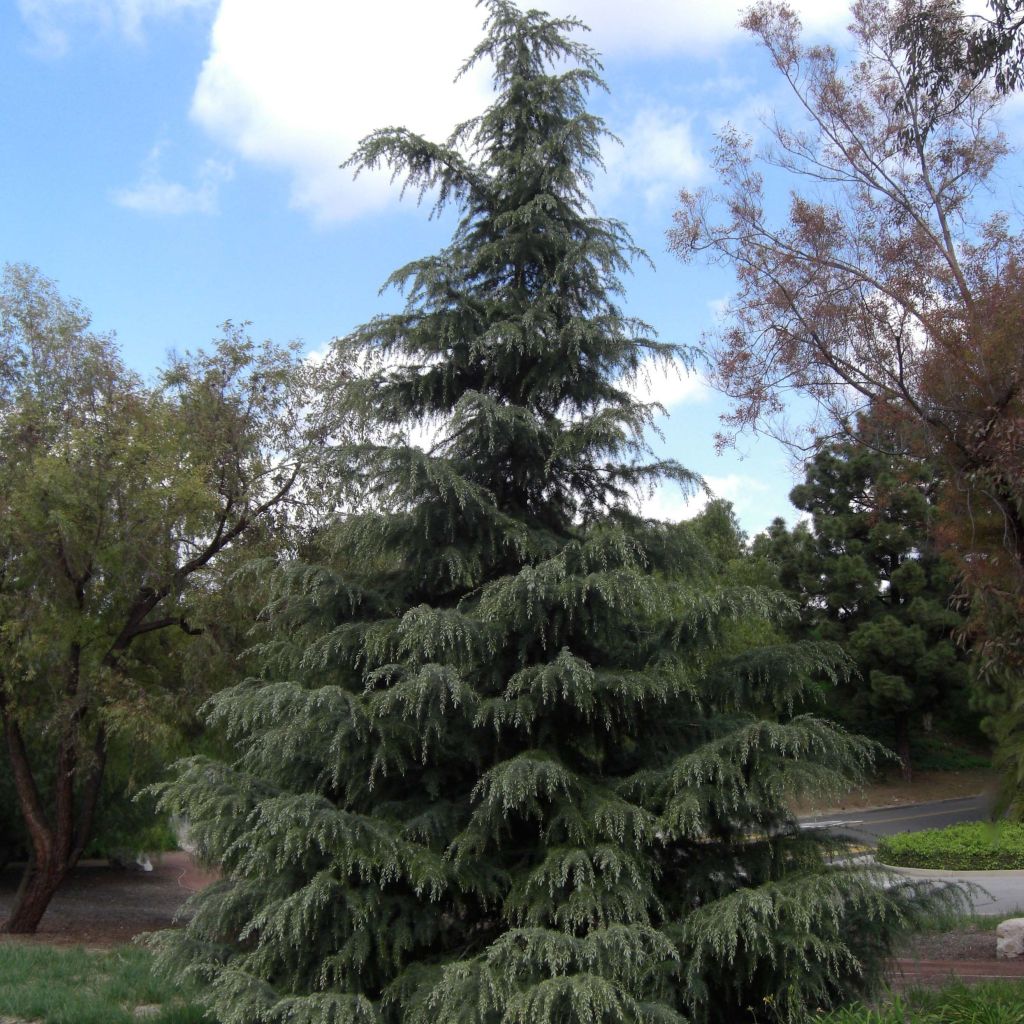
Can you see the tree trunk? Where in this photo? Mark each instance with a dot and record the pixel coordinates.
(55, 849)
(37, 888)
(903, 746)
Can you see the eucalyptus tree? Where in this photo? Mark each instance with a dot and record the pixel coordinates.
(496, 765)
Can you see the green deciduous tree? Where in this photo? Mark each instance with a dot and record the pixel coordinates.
(117, 500)
(498, 765)
(869, 577)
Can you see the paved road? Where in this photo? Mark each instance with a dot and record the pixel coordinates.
(868, 826)
(1003, 890)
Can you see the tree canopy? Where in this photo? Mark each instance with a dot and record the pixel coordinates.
(118, 499)
(869, 577)
(892, 288)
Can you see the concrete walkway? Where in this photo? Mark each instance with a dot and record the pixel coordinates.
(994, 892)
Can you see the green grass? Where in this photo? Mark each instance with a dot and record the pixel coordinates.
(994, 1002)
(973, 846)
(73, 986)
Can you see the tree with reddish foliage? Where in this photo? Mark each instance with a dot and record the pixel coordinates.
(118, 500)
(887, 289)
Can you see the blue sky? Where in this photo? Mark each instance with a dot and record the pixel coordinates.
(174, 164)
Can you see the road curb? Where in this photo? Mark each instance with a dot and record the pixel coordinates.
(965, 876)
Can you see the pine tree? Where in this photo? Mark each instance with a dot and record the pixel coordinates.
(496, 768)
(869, 577)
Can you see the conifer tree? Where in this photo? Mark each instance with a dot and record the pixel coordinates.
(869, 577)
(496, 767)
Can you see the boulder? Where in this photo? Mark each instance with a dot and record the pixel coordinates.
(1010, 939)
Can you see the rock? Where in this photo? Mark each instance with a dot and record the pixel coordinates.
(1010, 939)
(148, 1010)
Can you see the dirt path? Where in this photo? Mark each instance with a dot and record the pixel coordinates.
(928, 973)
(100, 906)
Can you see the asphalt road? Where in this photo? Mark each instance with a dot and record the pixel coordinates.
(869, 826)
(993, 892)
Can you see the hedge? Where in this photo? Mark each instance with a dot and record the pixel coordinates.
(973, 846)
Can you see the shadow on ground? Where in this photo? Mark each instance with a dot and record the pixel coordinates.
(101, 906)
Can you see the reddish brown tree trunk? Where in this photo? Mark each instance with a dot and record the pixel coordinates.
(35, 893)
(57, 848)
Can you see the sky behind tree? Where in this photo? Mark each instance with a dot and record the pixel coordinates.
(174, 164)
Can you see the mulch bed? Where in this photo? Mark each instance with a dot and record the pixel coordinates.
(968, 954)
(100, 906)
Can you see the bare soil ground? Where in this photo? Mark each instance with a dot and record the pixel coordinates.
(892, 791)
(100, 906)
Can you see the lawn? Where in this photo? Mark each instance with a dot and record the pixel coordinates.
(75, 986)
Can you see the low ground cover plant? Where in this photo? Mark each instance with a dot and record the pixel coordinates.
(996, 1002)
(972, 846)
(75, 986)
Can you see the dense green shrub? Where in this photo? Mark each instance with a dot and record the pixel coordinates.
(973, 846)
(941, 752)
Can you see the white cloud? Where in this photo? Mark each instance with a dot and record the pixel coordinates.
(297, 87)
(657, 156)
(680, 26)
(670, 503)
(669, 384)
(719, 307)
(152, 193)
(50, 21)
(736, 487)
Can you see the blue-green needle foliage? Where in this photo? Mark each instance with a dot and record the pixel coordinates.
(502, 765)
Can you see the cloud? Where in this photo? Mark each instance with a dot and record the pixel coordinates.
(296, 88)
(669, 503)
(657, 156)
(154, 194)
(691, 27)
(50, 21)
(669, 384)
